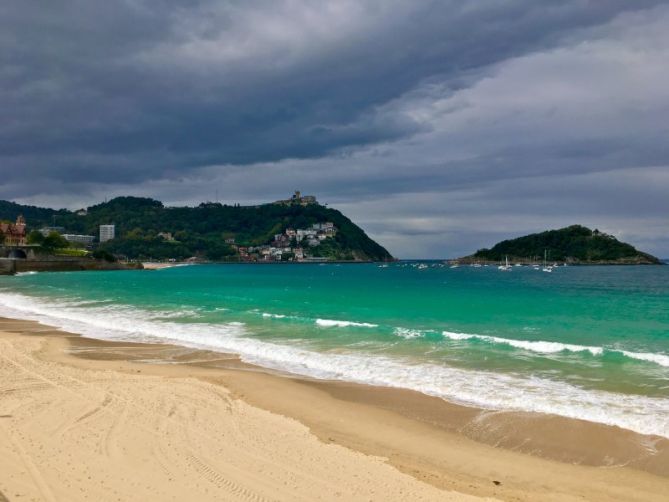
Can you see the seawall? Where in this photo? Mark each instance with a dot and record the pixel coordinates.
(59, 264)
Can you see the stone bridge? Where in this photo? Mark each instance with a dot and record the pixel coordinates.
(19, 252)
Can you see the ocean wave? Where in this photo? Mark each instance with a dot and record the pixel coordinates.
(273, 316)
(407, 333)
(543, 347)
(330, 323)
(483, 389)
(533, 346)
(107, 321)
(661, 359)
(175, 314)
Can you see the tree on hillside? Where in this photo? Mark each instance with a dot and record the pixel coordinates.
(35, 237)
(54, 241)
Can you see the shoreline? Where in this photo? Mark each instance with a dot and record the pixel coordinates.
(162, 265)
(449, 446)
(467, 261)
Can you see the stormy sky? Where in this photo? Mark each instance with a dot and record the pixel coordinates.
(439, 127)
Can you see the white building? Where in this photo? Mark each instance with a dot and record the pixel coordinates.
(81, 239)
(107, 232)
(308, 233)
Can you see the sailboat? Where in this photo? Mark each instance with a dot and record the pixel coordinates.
(546, 268)
(506, 267)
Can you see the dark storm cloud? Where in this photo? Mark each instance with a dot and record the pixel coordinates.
(124, 90)
(420, 119)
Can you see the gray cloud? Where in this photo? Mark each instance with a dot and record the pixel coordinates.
(440, 126)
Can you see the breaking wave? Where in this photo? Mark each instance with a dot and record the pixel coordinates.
(484, 389)
(543, 347)
(330, 323)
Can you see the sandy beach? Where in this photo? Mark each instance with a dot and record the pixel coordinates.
(83, 419)
(152, 265)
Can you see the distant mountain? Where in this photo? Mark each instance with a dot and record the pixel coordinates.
(574, 244)
(211, 230)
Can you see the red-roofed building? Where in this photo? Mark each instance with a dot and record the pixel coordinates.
(14, 233)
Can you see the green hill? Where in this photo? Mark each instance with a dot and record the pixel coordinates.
(10, 210)
(574, 244)
(203, 230)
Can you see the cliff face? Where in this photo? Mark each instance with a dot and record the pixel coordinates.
(575, 244)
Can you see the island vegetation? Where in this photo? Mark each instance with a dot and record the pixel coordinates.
(575, 244)
(147, 229)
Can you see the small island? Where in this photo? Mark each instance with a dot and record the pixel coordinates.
(574, 245)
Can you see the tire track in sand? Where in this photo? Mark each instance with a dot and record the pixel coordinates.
(33, 470)
(110, 443)
(213, 476)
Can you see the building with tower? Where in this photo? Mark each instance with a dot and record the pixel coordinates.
(14, 233)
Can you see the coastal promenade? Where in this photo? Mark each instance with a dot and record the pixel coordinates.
(9, 266)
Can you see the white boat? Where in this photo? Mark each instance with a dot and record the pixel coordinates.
(506, 267)
(546, 268)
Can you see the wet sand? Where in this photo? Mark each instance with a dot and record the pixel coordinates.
(299, 438)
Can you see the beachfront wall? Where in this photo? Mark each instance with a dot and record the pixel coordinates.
(60, 264)
(7, 266)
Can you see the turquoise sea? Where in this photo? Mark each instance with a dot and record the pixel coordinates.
(582, 342)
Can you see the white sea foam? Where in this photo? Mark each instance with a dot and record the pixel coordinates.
(533, 346)
(554, 347)
(175, 314)
(273, 316)
(661, 359)
(407, 333)
(104, 321)
(479, 388)
(330, 323)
